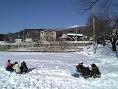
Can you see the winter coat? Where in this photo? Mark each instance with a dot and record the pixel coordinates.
(24, 67)
(86, 73)
(7, 65)
(16, 68)
(95, 73)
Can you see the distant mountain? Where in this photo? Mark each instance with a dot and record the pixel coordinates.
(75, 26)
(73, 29)
(2, 36)
(35, 33)
(26, 33)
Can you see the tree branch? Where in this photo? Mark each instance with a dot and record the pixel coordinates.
(93, 3)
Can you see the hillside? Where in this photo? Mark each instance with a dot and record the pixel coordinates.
(35, 33)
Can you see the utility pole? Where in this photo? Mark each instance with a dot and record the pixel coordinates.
(76, 35)
(10, 41)
(93, 13)
(24, 44)
(18, 41)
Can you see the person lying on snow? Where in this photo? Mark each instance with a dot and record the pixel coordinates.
(8, 66)
(79, 67)
(95, 73)
(86, 72)
(24, 68)
(16, 68)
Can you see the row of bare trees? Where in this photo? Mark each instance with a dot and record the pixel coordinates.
(103, 22)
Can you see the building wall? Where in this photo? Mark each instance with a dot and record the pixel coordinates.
(28, 40)
(18, 40)
(48, 35)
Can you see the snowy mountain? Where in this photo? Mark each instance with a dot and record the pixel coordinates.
(75, 26)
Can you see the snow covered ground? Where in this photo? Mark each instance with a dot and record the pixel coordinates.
(51, 70)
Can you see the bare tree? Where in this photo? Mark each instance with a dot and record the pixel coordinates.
(113, 37)
(104, 7)
(113, 34)
(107, 8)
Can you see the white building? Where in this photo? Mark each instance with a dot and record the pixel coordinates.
(48, 35)
(18, 40)
(28, 40)
(2, 42)
(74, 36)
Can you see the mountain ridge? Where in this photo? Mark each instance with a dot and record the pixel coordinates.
(35, 33)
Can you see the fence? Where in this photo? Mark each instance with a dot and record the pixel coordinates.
(54, 46)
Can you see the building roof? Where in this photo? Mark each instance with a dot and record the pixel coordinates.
(48, 30)
(74, 34)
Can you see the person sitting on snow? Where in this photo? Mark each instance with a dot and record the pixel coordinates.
(16, 68)
(95, 73)
(24, 68)
(80, 67)
(84, 71)
(8, 66)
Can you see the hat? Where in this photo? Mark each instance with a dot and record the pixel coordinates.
(81, 63)
(93, 65)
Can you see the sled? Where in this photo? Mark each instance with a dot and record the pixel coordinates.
(73, 71)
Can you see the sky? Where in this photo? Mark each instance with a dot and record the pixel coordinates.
(15, 15)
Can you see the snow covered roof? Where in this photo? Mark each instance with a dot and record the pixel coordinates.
(74, 34)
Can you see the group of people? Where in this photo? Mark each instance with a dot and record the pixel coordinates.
(86, 72)
(16, 67)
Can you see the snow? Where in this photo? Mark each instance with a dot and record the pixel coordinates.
(74, 34)
(51, 70)
(74, 26)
